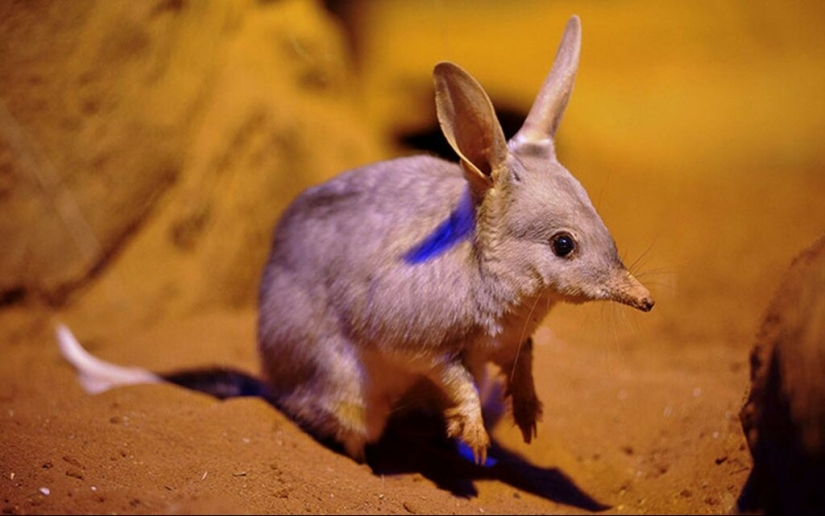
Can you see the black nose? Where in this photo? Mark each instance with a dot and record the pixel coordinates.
(646, 304)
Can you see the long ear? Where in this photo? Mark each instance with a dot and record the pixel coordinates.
(469, 123)
(548, 108)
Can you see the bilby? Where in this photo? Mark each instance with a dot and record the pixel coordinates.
(419, 270)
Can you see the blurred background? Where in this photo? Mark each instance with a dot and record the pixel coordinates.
(147, 148)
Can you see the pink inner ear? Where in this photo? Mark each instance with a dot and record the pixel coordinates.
(468, 120)
(476, 144)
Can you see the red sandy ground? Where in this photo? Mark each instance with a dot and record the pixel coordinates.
(641, 410)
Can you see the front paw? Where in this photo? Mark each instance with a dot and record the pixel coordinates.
(527, 411)
(470, 430)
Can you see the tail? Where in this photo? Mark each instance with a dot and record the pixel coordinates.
(97, 376)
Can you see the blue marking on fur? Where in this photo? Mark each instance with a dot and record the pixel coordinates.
(467, 454)
(456, 228)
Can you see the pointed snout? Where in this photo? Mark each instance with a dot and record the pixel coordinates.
(626, 289)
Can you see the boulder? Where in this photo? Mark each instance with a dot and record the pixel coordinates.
(784, 415)
(150, 146)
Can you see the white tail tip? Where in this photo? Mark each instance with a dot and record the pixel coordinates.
(95, 375)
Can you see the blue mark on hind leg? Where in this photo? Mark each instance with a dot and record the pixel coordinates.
(456, 228)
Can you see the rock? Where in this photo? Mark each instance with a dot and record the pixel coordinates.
(147, 148)
(784, 415)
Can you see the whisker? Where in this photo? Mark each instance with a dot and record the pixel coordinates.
(653, 272)
(602, 189)
(521, 338)
(660, 285)
(607, 311)
(638, 262)
(639, 269)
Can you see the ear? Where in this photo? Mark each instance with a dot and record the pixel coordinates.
(469, 123)
(544, 117)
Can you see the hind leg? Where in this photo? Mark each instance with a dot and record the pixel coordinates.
(331, 407)
(315, 374)
(320, 383)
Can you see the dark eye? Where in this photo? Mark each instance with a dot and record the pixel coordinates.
(563, 244)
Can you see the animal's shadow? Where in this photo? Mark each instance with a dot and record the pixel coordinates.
(416, 443)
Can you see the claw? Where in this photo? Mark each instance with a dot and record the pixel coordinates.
(480, 456)
(471, 434)
(481, 459)
(528, 432)
(527, 412)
